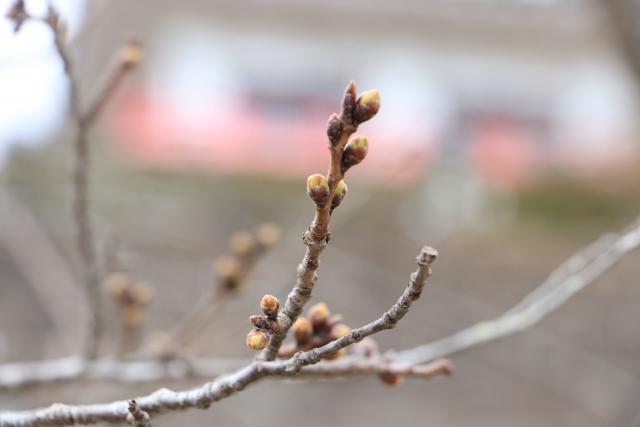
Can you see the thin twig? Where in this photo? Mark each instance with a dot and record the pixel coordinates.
(165, 400)
(15, 376)
(137, 417)
(81, 168)
(571, 277)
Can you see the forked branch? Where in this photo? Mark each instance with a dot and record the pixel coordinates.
(202, 397)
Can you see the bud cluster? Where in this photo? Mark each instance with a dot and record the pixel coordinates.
(246, 249)
(264, 324)
(316, 330)
(355, 110)
(130, 295)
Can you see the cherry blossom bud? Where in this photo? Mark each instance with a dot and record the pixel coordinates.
(257, 339)
(367, 105)
(241, 243)
(318, 316)
(268, 234)
(318, 189)
(334, 129)
(354, 152)
(341, 191)
(302, 330)
(131, 54)
(339, 331)
(270, 306)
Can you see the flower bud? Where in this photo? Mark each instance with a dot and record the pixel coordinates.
(338, 354)
(391, 379)
(257, 339)
(131, 54)
(354, 152)
(318, 316)
(116, 283)
(367, 105)
(349, 103)
(339, 331)
(268, 234)
(318, 189)
(334, 129)
(132, 315)
(302, 330)
(227, 271)
(341, 191)
(241, 243)
(270, 306)
(143, 292)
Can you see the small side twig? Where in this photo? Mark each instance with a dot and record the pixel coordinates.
(137, 417)
(81, 165)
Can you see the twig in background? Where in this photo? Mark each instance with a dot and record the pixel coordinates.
(572, 276)
(128, 58)
(39, 261)
(230, 272)
(15, 376)
(132, 297)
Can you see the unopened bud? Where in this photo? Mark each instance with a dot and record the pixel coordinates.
(131, 54)
(339, 331)
(302, 330)
(268, 234)
(334, 129)
(241, 243)
(319, 315)
(341, 191)
(257, 339)
(270, 306)
(318, 189)
(227, 271)
(116, 283)
(391, 379)
(349, 103)
(143, 292)
(132, 315)
(367, 105)
(338, 354)
(354, 152)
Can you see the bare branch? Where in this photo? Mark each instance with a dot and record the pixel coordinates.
(81, 166)
(19, 375)
(202, 397)
(572, 276)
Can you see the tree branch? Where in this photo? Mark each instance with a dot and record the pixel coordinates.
(572, 276)
(81, 165)
(202, 397)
